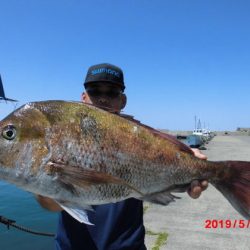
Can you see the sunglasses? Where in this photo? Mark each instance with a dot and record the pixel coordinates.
(98, 93)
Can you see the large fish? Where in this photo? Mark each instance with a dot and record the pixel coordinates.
(80, 156)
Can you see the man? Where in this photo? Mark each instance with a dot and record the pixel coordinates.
(117, 226)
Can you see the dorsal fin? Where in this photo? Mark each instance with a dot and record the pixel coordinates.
(181, 146)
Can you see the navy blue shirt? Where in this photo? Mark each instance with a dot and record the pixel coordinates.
(117, 226)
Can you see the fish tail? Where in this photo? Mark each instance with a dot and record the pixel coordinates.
(234, 183)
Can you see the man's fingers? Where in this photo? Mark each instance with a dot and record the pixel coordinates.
(194, 184)
(195, 192)
(198, 154)
(196, 188)
(204, 185)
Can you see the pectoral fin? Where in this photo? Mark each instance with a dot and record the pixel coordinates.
(72, 176)
(81, 176)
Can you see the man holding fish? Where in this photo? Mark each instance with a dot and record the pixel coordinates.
(117, 226)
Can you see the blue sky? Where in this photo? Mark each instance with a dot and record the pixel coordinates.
(180, 58)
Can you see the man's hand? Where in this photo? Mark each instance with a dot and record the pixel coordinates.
(197, 187)
(198, 154)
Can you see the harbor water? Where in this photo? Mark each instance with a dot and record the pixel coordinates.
(22, 207)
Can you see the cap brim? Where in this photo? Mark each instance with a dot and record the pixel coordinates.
(106, 81)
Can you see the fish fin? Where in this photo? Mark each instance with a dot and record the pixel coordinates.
(165, 197)
(72, 176)
(161, 198)
(180, 146)
(235, 185)
(78, 214)
(73, 205)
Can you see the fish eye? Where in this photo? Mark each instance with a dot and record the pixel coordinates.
(9, 132)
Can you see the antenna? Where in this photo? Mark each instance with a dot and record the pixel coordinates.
(195, 122)
(2, 94)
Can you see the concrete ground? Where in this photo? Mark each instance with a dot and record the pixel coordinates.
(184, 220)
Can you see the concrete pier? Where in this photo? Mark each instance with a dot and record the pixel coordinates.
(184, 221)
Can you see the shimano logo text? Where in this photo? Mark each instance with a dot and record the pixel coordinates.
(105, 70)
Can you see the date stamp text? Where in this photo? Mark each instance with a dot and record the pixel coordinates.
(227, 224)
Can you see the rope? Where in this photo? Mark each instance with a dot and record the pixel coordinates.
(12, 223)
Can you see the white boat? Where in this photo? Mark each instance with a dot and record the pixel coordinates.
(203, 133)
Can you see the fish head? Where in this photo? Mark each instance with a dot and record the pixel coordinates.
(23, 141)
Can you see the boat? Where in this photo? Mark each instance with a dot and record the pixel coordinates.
(195, 141)
(199, 136)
